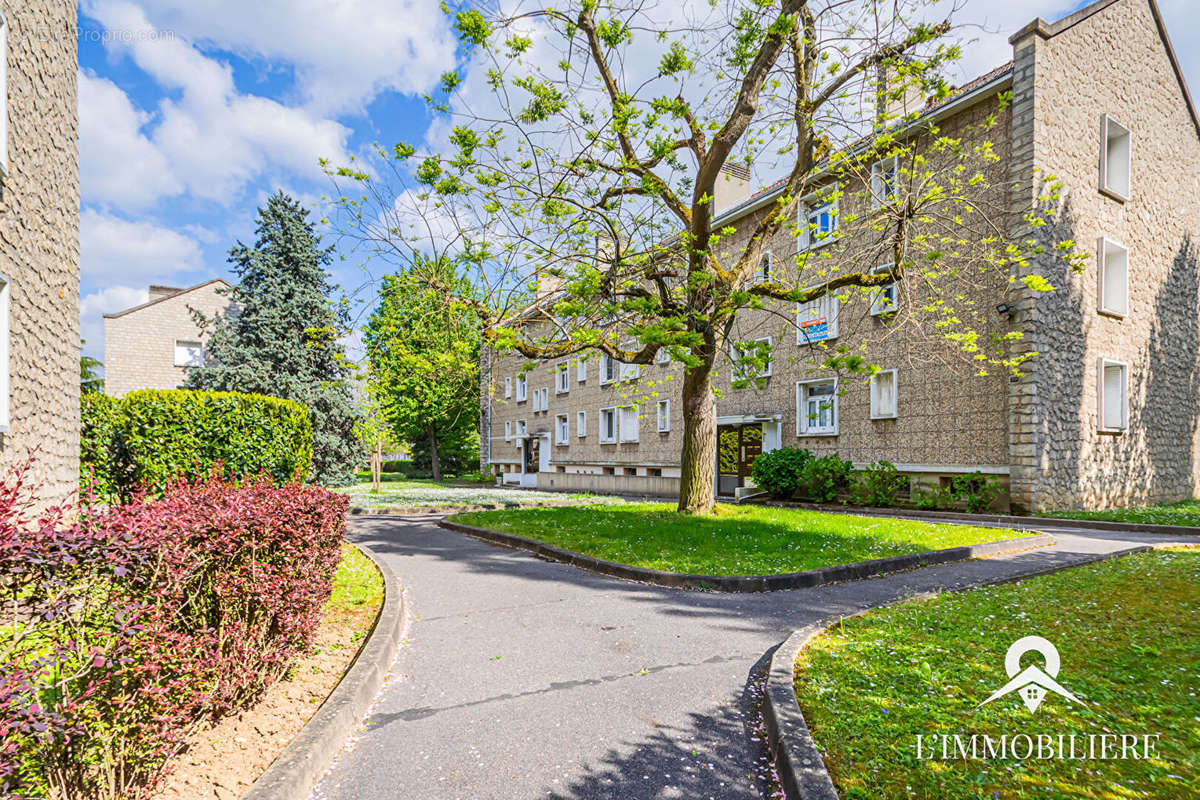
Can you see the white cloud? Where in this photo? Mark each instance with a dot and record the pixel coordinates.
(119, 252)
(93, 307)
(344, 52)
(215, 139)
(119, 165)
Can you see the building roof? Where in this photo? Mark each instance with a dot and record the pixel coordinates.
(179, 293)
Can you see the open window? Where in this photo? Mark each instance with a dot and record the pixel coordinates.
(817, 407)
(522, 388)
(562, 378)
(562, 431)
(884, 299)
(608, 426)
(762, 274)
(1112, 259)
(608, 370)
(522, 427)
(884, 395)
(745, 356)
(818, 220)
(1115, 161)
(885, 181)
(1113, 396)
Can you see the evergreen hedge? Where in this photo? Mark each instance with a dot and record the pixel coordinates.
(151, 437)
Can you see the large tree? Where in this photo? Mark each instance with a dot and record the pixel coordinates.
(423, 351)
(282, 335)
(586, 141)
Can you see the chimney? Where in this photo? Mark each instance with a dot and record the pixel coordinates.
(891, 110)
(732, 187)
(159, 292)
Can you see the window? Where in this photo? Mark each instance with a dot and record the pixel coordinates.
(884, 180)
(816, 407)
(663, 356)
(763, 273)
(664, 416)
(608, 370)
(581, 370)
(522, 427)
(561, 430)
(189, 354)
(522, 388)
(759, 353)
(537, 400)
(630, 423)
(817, 320)
(884, 395)
(562, 378)
(608, 425)
(630, 372)
(1114, 158)
(581, 424)
(1113, 396)
(4, 165)
(818, 222)
(545, 398)
(508, 387)
(5, 376)
(508, 431)
(884, 298)
(1113, 278)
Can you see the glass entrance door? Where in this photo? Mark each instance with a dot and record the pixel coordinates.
(737, 447)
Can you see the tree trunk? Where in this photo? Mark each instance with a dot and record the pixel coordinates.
(434, 461)
(697, 493)
(377, 467)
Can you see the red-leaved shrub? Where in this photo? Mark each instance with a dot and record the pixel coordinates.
(130, 626)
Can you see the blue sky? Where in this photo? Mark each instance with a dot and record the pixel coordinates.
(192, 113)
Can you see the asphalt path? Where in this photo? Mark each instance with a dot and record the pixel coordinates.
(522, 678)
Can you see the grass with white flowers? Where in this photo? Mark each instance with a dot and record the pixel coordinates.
(734, 540)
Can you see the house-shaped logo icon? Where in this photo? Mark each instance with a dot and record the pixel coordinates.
(1033, 682)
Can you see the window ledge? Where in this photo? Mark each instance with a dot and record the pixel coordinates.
(1113, 194)
(814, 246)
(1107, 312)
(885, 416)
(807, 435)
(1111, 431)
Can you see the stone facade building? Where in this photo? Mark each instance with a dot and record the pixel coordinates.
(39, 245)
(150, 346)
(1108, 408)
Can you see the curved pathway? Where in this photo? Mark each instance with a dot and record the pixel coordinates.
(523, 678)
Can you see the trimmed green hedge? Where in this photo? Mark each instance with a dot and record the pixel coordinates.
(149, 437)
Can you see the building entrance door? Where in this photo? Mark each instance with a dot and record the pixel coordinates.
(737, 447)
(532, 451)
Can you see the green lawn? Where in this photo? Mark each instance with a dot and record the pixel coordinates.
(399, 492)
(1128, 634)
(736, 540)
(357, 584)
(1184, 513)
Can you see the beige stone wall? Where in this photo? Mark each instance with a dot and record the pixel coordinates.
(139, 345)
(949, 418)
(1115, 62)
(39, 243)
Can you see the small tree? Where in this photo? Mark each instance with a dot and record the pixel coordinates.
(282, 336)
(423, 351)
(90, 379)
(375, 433)
(588, 145)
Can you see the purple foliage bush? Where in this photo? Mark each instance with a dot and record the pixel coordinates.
(126, 628)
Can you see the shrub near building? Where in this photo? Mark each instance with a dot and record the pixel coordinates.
(151, 437)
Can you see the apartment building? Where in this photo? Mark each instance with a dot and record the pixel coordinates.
(1108, 408)
(151, 345)
(39, 245)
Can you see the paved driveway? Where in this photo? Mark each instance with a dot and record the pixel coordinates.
(528, 679)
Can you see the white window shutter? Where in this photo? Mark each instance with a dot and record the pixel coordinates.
(4, 164)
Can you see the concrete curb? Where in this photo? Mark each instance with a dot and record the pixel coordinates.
(799, 762)
(759, 583)
(302, 763)
(410, 511)
(1007, 520)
